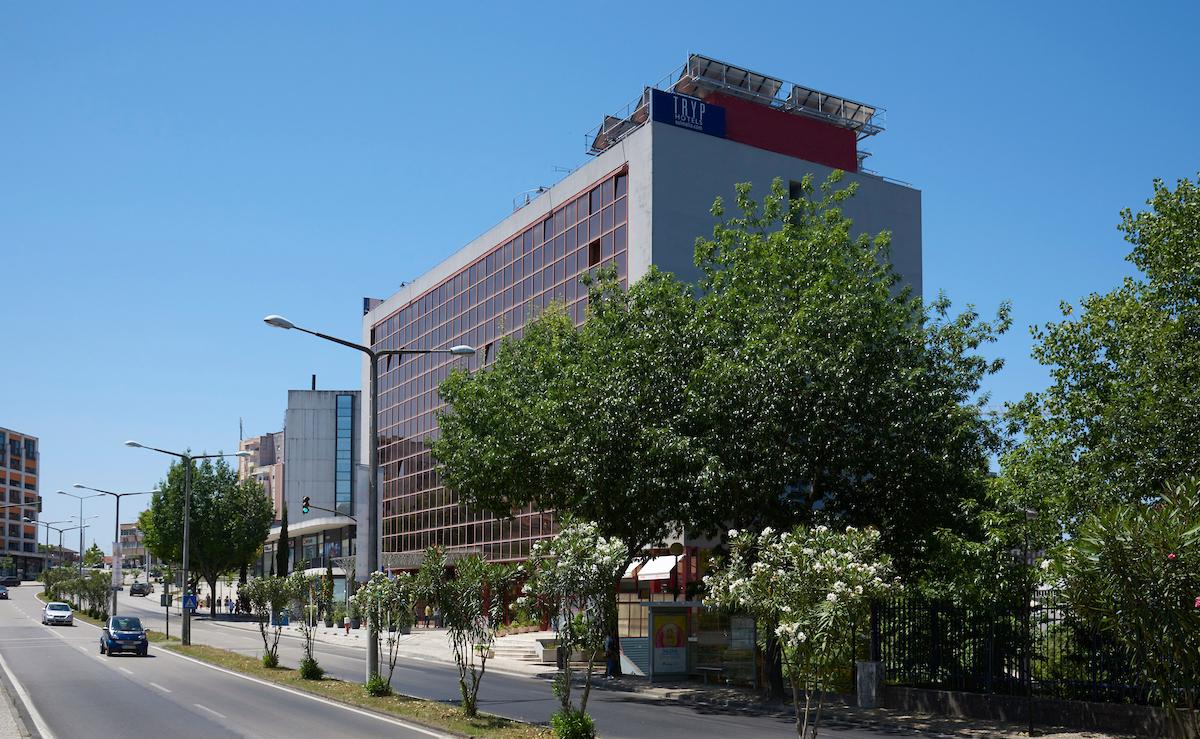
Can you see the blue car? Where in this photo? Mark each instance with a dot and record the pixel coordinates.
(123, 634)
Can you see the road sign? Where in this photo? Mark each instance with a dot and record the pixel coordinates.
(189, 601)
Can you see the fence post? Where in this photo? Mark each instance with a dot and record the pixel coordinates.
(875, 645)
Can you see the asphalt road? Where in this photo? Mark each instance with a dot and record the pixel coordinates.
(618, 714)
(77, 693)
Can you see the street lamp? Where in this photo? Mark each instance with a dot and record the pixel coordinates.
(373, 451)
(186, 632)
(48, 525)
(116, 534)
(82, 527)
(81, 498)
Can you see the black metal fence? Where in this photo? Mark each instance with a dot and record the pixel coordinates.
(1003, 648)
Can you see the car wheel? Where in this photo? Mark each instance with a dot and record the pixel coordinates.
(101, 647)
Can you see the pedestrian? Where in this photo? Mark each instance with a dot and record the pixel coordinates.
(610, 657)
(229, 605)
(428, 615)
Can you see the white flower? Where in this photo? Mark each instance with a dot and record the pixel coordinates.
(832, 598)
(808, 551)
(822, 529)
(733, 533)
(1045, 564)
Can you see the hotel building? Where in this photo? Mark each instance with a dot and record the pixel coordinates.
(641, 200)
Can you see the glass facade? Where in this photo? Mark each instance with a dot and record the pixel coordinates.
(344, 465)
(479, 305)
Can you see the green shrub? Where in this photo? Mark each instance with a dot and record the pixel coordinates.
(573, 725)
(377, 686)
(310, 670)
(270, 659)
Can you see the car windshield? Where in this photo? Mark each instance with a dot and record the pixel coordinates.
(125, 623)
(58, 607)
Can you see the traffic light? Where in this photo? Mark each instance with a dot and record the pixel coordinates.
(304, 505)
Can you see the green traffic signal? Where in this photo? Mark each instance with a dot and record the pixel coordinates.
(304, 505)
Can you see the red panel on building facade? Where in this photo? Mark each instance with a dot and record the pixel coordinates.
(786, 133)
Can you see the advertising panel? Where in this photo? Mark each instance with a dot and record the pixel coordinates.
(687, 112)
(670, 643)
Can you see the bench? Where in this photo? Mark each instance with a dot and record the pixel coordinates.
(706, 671)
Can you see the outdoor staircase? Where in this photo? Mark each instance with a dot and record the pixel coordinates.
(522, 647)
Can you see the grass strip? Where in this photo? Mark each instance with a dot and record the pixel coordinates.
(428, 713)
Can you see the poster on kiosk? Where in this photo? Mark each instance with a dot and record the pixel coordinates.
(670, 642)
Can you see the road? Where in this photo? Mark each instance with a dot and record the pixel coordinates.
(77, 693)
(618, 714)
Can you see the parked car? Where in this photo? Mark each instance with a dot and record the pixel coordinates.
(141, 588)
(3, 593)
(58, 613)
(10, 581)
(123, 634)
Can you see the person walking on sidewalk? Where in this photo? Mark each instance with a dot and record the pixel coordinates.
(428, 615)
(610, 657)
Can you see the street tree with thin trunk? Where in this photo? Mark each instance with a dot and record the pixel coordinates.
(281, 546)
(570, 580)
(470, 593)
(808, 588)
(268, 598)
(230, 520)
(386, 603)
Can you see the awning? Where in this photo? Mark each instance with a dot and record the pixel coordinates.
(658, 568)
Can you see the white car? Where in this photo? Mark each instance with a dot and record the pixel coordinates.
(58, 613)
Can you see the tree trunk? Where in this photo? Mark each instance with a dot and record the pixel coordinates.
(773, 666)
(212, 596)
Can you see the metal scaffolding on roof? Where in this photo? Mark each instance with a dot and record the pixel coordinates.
(702, 75)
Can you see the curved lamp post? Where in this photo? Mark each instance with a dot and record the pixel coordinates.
(80, 498)
(49, 525)
(372, 451)
(116, 533)
(186, 631)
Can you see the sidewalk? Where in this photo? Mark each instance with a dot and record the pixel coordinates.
(431, 645)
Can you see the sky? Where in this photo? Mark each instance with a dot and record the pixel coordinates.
(171, 173)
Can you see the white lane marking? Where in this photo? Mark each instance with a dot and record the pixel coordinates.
(165, 690)
(125, 670)
(38, 723)
(310, 696)
(206, 708)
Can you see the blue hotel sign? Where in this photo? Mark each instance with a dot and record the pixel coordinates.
(687, 112)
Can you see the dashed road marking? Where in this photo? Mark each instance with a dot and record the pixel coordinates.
(165, 690)
(126, 670)
(206, 708)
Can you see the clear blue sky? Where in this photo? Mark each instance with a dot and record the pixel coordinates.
(169, 174)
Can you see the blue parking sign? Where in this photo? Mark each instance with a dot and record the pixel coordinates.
(189, 601)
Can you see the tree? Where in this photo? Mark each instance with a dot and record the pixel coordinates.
(386, 602)
(589, 421)
(94, 556)
(571, 579)
(230, 519)
(1118, 421)
(827, 388)
(1133, 571)
(306, 594)
(282, 545)
(268, 597)
(470, 593)
(809, 588)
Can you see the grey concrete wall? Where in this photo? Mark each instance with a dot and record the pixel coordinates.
(310, 440)
(691, 169)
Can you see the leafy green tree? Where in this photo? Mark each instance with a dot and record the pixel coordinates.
(1118, 421)
(386, 602)
(827, 388)
(1133, 570)
(590, 421)
(470, 593)
(306, 591)
(230, 519)
(571, 580)
(808, 588)
(268, 597)
(94, 556)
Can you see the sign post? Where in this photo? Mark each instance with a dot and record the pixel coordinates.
(165, 600)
